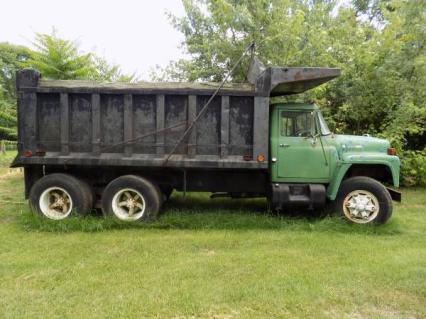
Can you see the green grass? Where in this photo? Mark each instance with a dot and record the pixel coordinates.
(211, 259)
(5, 160)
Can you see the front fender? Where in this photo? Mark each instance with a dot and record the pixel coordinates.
(392, 162)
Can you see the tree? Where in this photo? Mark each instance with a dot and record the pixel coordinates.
(11, 58)
(286, 33)
(107, 72)
(7, 124)
(55, 58)
(58, 58)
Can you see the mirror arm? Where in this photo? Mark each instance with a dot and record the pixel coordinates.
(320, 137)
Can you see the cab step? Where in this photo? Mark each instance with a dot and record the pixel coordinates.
(299, 200)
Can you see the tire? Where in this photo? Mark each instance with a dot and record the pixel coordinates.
(131, 198)
(59, 196)
(363, 200)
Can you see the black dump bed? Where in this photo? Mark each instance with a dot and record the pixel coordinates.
(88, 123)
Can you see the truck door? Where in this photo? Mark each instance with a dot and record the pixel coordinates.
(299, 155)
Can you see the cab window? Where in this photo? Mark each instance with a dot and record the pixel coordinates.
(296, 124)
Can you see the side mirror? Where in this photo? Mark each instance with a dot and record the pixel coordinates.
(314, 136)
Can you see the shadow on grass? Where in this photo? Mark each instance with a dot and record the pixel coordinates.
(198, 212)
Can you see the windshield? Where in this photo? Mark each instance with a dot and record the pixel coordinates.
(323, 125)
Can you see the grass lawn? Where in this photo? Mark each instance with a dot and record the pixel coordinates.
(211, 259)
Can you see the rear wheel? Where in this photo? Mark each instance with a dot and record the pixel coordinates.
(363, 200)
(58, 196)
(131, 198)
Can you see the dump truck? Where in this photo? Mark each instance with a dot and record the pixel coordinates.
(125, 147)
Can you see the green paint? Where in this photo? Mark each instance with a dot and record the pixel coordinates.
(297, 155)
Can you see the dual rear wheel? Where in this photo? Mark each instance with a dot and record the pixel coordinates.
(132, 198)
(58, 196)
(127, 198)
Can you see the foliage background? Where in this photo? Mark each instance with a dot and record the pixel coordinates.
(55, 58)
(379, 45)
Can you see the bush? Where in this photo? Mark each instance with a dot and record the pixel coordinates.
(413, 168)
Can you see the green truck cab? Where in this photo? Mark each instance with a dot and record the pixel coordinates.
(351, 169)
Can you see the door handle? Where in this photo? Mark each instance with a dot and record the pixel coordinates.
(284, 145)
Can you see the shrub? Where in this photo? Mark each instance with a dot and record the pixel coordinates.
(413, 168)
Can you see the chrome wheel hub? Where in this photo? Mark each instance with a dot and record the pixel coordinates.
(361, 206)
(55, 203)
(128, 204)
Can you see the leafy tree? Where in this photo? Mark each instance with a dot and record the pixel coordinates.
(55, 58)
(7, 124)
(107, 72)
(58, 58)
(11, 58)
(286, 33)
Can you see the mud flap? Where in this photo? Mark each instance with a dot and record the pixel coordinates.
(396, 196)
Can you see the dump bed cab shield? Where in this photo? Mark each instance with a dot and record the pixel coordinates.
(277, 81)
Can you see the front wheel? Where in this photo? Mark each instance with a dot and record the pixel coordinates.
(363, 200)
